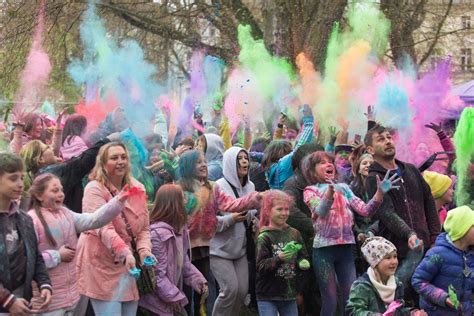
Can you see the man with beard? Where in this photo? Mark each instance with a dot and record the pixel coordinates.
(408, 214)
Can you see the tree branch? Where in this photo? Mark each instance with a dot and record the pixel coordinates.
(437, 35)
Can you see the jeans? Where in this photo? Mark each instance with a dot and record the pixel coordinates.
(274, 308)
(329, 263)
(105, 308)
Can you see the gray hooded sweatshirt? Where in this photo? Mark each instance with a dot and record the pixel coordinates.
(230, 241)
(214, 151)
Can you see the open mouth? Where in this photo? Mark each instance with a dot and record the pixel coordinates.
(329, 172)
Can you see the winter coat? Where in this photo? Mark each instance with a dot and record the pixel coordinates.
(408, 210)
(280, 171)
(100, 252)
(73, 146)
(445, 265)
(300, 214)
(65, 225)
(363, 225)
(35, 267)
(333, 219)
(230, 241)
(365, 300)
(276, 279)
(214, 153)
(72, 172)
(202, 220)
(169, 279)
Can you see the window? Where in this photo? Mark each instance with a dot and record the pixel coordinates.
(466, 21)
(466, 59)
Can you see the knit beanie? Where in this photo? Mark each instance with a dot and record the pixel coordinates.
(375, 249)
(458, 222)
(439, 183)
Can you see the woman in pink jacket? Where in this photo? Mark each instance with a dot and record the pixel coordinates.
(57, 228)
(105, 255)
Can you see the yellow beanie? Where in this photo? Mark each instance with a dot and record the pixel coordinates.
(458, 222)
(439, 183)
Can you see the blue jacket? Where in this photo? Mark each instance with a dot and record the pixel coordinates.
(445, 265)
(280, 171)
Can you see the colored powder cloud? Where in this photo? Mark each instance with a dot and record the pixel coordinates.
(35, 75)
(108, 69)
(463, 141)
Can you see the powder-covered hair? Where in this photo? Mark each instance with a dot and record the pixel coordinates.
(30, 122)
(39, 185)
(169, 207)
(310, 162)
(187, 170)
(270, 199)
(31, 153)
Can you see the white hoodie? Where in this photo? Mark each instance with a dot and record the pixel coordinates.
(230, 241)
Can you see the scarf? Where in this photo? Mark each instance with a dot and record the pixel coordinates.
(386, 291)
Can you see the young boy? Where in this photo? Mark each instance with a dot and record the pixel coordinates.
(444, 279)
(20, 260)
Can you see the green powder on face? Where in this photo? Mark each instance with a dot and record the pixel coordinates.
(464, 143)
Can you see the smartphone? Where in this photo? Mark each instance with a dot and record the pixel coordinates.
(283, 113)
(357, 138)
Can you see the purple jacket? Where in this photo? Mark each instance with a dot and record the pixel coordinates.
(169, 284)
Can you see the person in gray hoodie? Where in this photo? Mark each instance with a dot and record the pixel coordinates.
(212, 146)
(228, 248)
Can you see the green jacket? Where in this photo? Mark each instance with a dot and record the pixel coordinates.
(364, 299)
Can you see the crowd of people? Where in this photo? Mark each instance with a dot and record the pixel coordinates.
(287, 224)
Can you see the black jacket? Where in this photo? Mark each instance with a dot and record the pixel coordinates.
(35, 266)
(409, 210)
(300, 214)
(276, 279)
(72, 172)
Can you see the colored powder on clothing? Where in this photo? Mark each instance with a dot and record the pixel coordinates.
(34, 77)
(120, 70)
(124, 283)
(463, 141)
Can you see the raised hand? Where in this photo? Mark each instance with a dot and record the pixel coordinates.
(387, 183)
(435, 127)
(59, 118)
(370, 113)
(333, 132)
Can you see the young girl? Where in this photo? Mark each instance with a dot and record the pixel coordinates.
(276, 265)
(444, 278)
(364, 226)
(170, 244)
(203, 200)
(378, 289)
(57, 229)
(72, 144)
(332, 205)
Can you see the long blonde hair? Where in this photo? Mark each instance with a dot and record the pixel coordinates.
(99, 174)
(31, 154)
